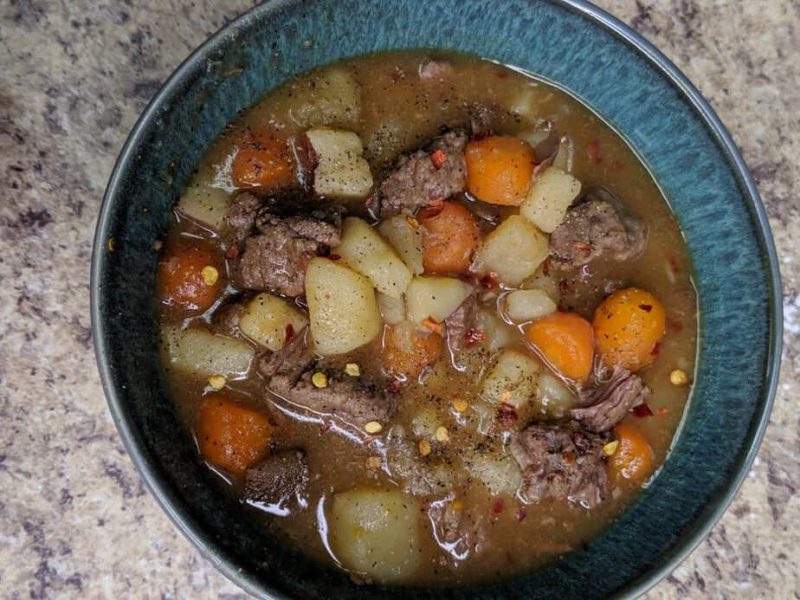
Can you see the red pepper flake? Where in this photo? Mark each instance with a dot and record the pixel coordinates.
(473, 336)
(674, 325)
(646, 307)
(673, 264)
(289, 334)
(595, 154)
(506, 415)
(233, 252)
(438, 158)
(334, 257)
(656, 349)
(490, 281)
(432, 209)
(521, 513)
(583, 247)
(662, 411)
(482, 134)
(498, 505)
(643, 410)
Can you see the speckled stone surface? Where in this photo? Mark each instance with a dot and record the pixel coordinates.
(75, 518)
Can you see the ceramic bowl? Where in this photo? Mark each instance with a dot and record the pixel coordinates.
(581, 49)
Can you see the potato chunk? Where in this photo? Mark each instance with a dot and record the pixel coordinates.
(553, 398)
(342, 307)
(376, 533)
(341, 172)
(329, 97)
(366, 252)
(202, 353)
(434, 297)
(525, 305)
(549, 197)
(514, 250)
(204, 203)
(406, 240)
(265, 320)
(512, 379)
(393, 310)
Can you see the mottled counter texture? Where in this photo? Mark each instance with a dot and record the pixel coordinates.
(75, 518)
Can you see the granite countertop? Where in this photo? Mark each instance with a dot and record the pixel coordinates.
(75, 517)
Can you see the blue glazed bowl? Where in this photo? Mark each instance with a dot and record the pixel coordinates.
(615, 72)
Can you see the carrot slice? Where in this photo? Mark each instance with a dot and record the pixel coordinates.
(629, 326)
(634, 459)
(232, 436)
(408, 350)
(499, 169)
(264, 159)
(566, 341)
(190, 276)
(450, 239)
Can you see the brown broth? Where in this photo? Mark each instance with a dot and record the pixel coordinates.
(400, 112)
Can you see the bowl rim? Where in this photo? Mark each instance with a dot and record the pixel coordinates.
(132, 439)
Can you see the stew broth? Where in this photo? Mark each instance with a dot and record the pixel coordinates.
(399, 112)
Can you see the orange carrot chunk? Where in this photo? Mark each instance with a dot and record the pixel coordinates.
(566, 341)
(450, 239)
(263, 159)
(633, 460)
(408, 350)
(190, 276)
(629, 326)
(499, 169)
(232, 436)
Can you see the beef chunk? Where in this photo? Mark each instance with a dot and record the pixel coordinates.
(613, 392)
(416, 180)
(226, 318)
(276, 258)
(561, 463)
(277, 481)
(596, 228)
(460, 322)
(241, 215)
(353, 399)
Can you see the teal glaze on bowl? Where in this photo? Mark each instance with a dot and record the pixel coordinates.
(599, 60)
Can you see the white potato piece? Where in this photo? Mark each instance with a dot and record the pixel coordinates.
(405, 239)
(512, 379)
(204, 203)
(539, 281)
(266, 317)
(366, 252)
(342, 308)
(513, 250)
(425, 422)
(549, 197)
(522, 306)
(434, 297)
(341, 172)
(376, 533)
(203, 353)
(498, 333)
(393, 310)
(501, 474)
(552, 397)
(329, 97)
